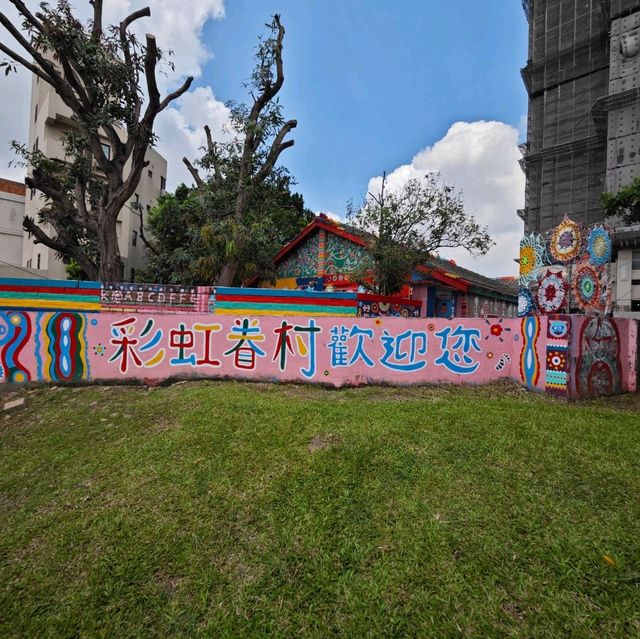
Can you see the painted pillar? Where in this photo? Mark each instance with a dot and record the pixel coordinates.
(322, 252)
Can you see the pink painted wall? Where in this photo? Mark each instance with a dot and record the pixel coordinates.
(62, 346)
(335, 351)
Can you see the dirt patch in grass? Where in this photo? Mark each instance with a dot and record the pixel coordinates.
(323, 441)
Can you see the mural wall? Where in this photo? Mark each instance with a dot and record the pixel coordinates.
(65, 346)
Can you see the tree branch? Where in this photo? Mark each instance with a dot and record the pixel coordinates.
(176, 94)
(25, 63)
(194, 173)
(29, 225)
(277, 147)
(96, 31)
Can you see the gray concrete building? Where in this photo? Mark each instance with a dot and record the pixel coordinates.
(583, 81)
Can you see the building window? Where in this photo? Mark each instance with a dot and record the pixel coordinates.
(35, 145)
(134, 238)
(163, 183)
(35, 117)
(635, 261)
(29, 263)
(38, 262)
(106, 149)
(32, 193)
(150, 174)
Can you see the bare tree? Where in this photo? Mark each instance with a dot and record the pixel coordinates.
(241, 166)
(98, 74)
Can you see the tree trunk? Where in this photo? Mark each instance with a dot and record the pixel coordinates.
(111, 266)
(229, 273)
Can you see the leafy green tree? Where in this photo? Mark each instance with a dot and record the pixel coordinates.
(98, 73)
(624, 204)
(407, 226)
(239, 178)
(189, 241)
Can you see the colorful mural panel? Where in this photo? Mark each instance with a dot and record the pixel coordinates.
(303, 262)
(15, 341)
(343, 256)
(377, 306)
(599, 364)
(61, 347)
(529, 360)
(557, 364)
(569, 271)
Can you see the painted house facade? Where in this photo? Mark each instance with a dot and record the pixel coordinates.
(325, 253)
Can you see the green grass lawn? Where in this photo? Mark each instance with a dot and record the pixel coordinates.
(252, 510)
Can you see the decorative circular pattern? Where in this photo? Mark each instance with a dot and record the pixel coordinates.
(587, 289)
(552, 292)
(525, 302)
(557, 359)
(566, 241)
(532, 251)
(599, 246)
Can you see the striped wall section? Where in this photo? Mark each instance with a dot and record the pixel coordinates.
(263, 301)
(49, 295)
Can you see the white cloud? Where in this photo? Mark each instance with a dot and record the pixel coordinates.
(181, 130)
(177, 25)
(481, 159)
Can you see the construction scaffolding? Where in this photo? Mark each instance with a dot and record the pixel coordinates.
(584, 106)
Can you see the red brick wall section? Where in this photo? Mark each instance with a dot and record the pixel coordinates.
(15, 188)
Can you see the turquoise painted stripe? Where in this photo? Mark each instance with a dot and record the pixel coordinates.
(278, 292)
(26, 295)
(256, 306)
(18, 281)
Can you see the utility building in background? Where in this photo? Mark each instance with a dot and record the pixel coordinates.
(49, 120)
(583, 81)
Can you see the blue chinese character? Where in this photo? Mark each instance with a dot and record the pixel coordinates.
(358, 351)
(404, 355)
(338, 346)
(455, 357)
(312, 331)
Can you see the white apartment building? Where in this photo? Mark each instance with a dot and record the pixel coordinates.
(12, 195)
(50, 118)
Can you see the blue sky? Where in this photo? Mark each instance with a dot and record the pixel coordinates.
(372, 82)
(406, 87)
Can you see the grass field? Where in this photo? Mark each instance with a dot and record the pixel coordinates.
(252, 510)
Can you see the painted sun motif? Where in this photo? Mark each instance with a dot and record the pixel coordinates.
(532, 251)
(552, 292)
(100, 349)
(566, 241)
(496, 329)
(599, 246)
